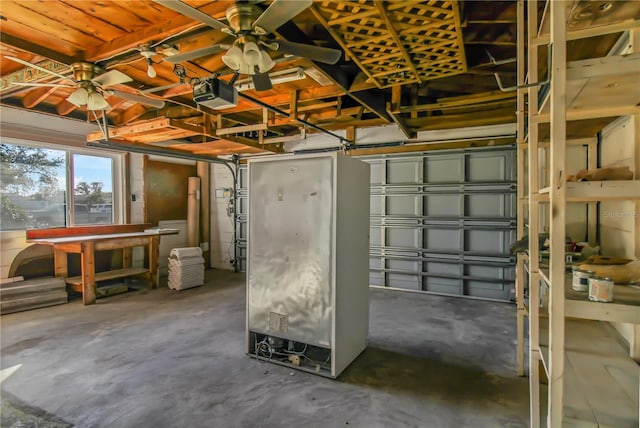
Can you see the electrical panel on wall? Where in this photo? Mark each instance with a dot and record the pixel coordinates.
(308, 261)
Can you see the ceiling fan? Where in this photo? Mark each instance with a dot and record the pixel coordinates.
(252, 27)
(91, 82)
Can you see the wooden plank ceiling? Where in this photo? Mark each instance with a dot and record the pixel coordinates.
(423, 65)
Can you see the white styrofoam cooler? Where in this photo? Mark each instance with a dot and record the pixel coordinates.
(186, 268)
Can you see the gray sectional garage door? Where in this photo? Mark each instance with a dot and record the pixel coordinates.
(441, 222)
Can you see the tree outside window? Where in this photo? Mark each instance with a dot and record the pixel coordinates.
(31, 187)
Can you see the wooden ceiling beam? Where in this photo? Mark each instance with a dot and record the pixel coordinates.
(174, 25)
(318, 118)
(488, 117)
(490, 42)
(332, 126)
(64, 107)
(396, 100)
(445, 103)
(129, 115)
(429, 146)
(35, 49)
(283, 99)
(36, 96)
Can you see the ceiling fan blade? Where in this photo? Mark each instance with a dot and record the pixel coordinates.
(113, 77)
(193, 13)
(186, 56)
(261, 82)
(37, 67)
(50, 85)
(153, 102)
(314, 53)
(279, 12)
(161, 88)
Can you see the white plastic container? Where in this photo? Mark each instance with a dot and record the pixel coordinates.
(581, 279)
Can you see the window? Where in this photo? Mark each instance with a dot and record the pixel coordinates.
(45, 187)
(93, 193)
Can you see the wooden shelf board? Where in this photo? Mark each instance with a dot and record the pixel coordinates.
(622, 17)
(600, 379)
(593, 191)
(112, 274)
(614, 91)
(624, 308)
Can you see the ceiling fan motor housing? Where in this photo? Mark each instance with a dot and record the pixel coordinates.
(241, 17)
(84, 71)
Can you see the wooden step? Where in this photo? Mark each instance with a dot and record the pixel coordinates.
(33, 301)
(30, 286)
(111, 274)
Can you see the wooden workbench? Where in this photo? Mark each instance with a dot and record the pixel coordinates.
(87, 245)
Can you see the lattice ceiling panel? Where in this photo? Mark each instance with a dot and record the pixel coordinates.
(397, 42)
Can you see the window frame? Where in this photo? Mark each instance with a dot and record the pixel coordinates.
(117, 170)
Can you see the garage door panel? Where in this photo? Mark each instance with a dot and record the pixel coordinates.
(487, 290)
(442, 268)
(401, 171)
(375, 237)
(404, 265)
(409, 282)
(488, 167)
(403, 205)
(377, 171)
(487, 241)
(488, 205)
(403, 237)
(442, 285)
(444, 169)
(442, 239)
(485, 271)
(442, 205)
(376, 204)
(377, 278)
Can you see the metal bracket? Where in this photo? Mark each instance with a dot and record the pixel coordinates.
(527, 85)
(493, 61)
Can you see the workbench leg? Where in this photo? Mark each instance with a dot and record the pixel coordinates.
(127, 257)
(154, 254)
(88, 273)
(60, 263)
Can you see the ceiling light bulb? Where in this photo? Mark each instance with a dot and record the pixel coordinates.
(97, 102)
(266, 63)
(151, 72)
(233, 58)
(79, 97)
(251, 54)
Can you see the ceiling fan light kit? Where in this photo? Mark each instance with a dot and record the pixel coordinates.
(79, 97)
(96, 101)
(246, 57)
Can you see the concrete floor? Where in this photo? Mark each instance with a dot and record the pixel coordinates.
(163, 358)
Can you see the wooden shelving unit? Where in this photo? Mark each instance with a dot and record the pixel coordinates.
(598, 376)
(593, 191)
(624, 308)
(592, 381)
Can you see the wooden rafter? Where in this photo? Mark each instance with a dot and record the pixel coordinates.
(36, 96)
(33, 75)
